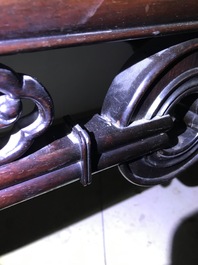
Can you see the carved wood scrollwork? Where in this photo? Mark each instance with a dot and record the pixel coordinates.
(14, 88)
(148, 126)
(163, 84)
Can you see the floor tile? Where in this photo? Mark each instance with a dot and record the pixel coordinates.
(143, 228)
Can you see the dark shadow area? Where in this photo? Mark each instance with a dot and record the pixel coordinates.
(185, 242)
(36, 218)
(189, 176)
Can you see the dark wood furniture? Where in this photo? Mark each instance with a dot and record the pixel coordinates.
(156, 142)
(34, 25)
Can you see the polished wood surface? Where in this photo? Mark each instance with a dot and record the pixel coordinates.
(36, 24)
(147, 126)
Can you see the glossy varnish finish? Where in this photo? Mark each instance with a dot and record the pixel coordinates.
(147, 126)
(30, 25)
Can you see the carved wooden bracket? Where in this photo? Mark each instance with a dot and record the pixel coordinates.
(147, 126)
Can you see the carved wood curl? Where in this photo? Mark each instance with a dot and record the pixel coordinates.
(14, 88)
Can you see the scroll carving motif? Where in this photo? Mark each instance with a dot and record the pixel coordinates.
(14, 88)
(148, 126)
(163, 84)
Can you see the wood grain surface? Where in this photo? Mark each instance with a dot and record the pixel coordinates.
(36, 24)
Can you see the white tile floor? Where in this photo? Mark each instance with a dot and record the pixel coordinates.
(110, 223)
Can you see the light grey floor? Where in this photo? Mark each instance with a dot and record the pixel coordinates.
(110, 222)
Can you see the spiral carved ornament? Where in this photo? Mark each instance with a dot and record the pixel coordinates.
(165, 83)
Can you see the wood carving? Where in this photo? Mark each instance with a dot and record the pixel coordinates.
(13, 88)
(147, 126)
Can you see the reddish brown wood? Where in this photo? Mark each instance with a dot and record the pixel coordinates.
(131, 99)
(35, 24)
